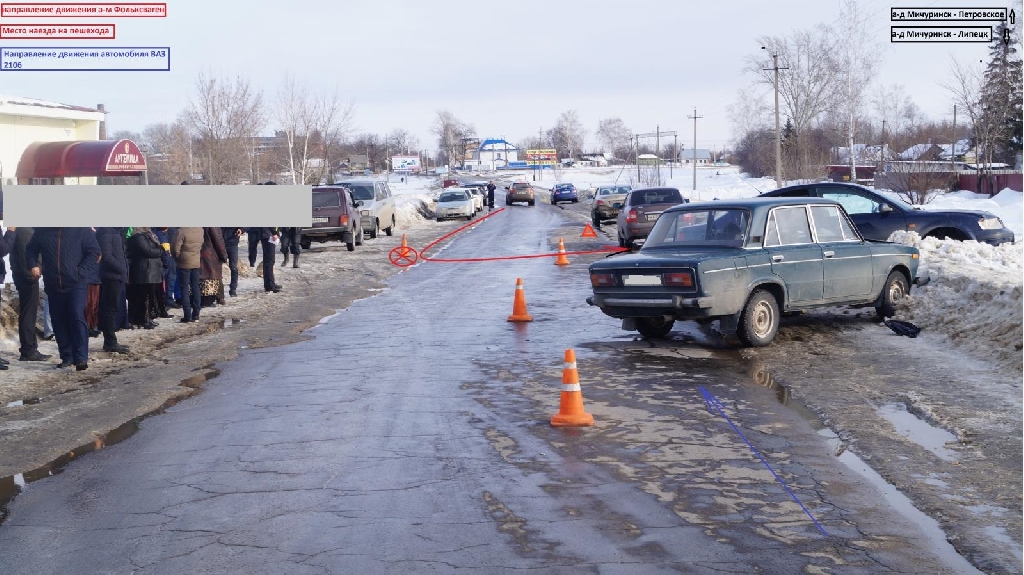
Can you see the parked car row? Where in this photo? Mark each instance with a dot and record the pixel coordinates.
(349, 209)
(458, 203)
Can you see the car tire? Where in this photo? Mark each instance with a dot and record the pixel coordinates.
(654, 327)
(352, 244)
(359, 239)
(439, 220)
(305, 245)
(390, 230)
(596, 220)
(532, 202)
(895, 289)
(622, 240)
(759, 321)
(575, 201)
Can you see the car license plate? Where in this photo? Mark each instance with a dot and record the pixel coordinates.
(641, 280)
(319, 220)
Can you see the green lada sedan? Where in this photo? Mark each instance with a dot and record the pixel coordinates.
(744, 262)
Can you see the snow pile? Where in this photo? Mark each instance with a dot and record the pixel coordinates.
(974, 296)
(414, 199)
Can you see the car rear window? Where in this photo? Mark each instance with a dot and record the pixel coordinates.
(326, 199)
(521, 186)
(657, 197)
(453, 197)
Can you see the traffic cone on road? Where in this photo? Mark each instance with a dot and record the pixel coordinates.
(562, 260)
(519, 304)
(570, 407)
(588, 232)
(404, 245)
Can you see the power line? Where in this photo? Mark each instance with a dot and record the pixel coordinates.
(695, 117)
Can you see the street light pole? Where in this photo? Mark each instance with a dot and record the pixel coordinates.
(694, 117)
(778, 129)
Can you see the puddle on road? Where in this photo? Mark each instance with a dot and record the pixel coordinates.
(902, 505)
(21, 402)
(12, 485)
(928, 436)
(233, 321)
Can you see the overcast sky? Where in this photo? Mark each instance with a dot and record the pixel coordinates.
(507, 68)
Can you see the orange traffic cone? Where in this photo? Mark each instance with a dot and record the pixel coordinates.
(570, 408)
(562, 260)
(404, 245)
(588, 232)
(519, 304)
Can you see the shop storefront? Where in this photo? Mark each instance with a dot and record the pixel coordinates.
(65, 163)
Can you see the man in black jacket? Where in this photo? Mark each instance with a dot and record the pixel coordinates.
(28, 296)
(268, 238)
(69, 257)
(231, 239)
(113, 276)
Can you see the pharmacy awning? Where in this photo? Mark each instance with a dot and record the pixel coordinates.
(81, 159)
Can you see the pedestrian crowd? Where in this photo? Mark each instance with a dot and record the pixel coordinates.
(98, 281)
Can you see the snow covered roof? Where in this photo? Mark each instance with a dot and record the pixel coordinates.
(961, 148)
(18, 106)
(492, 144)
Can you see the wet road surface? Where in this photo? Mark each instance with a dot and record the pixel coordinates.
(411, 435)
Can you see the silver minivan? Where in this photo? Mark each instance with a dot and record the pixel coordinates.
(376, 204)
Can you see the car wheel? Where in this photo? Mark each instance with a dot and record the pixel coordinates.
(438, 219)
(575, 201)
(375, 229)
(352, 244)
(654, 327)
(305, 245)
(894, 290)
(759, 321)
(359, 238)
(622, 240)
(390, 230)
(596, 220)
(532, 202)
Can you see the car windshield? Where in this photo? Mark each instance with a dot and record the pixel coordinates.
(326, 199)
(453, 197)
(362, 191)
(700, 228)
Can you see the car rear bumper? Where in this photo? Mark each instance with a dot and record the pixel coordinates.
(326, 232)
(639, 230)
(675, 305)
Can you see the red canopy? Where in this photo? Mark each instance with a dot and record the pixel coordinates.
(88, 158)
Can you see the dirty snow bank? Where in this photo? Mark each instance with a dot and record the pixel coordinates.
(974, 297)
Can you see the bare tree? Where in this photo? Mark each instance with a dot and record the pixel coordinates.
(297, 113)
(858, 57)
(615, 136)
(916, 182)
(169, 149)
(450, 131)
(965, 86)
(402, 142)
(567, 135)
(225, 115)
(332, 124)
(748, 113)
(898, 114)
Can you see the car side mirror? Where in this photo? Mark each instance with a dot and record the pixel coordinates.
(885, 208)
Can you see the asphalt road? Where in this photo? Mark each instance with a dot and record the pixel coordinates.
(411, 435)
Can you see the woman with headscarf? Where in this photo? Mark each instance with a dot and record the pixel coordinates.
(212, 258)
(145, 274)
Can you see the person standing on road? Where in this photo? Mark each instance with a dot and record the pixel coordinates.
(170, 270)
(145, 274)
(490, 194)
(232, 236)
(28, 297)
(113, 276)
(185, 249)
(290, 240)
(268, 239)
(68, 257)
(212, 258)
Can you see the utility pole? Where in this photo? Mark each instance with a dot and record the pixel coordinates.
(695, 117)
(637, 157)
(675, 153)
(952, 150)
(778, 129)
(657, 134)
(657, 150)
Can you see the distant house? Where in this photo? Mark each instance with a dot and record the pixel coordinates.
(962, 152)
(358, 162)
(598, 159)
(864, 154)
(921, 153)
(647, 160)
(703, 156)
(495, 153)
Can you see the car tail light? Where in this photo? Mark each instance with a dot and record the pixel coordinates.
(343, 220)
(683, 279)
(600, 202)
(631, 216)
(601, 280)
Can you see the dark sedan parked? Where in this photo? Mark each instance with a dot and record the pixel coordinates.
(744, 262)
(877, 216)
(641, 209)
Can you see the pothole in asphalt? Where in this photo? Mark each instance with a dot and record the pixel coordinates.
(928, 436)
(11, 485)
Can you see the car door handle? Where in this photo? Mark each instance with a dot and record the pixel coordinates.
(778, 258)
(829, 254)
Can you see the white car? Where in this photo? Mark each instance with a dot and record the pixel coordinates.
(478, 199)
(455, 203)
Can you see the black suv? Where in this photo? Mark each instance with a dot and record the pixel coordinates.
(877, 216)
(335, 217)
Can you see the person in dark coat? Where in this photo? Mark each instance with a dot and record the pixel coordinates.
(28, 296)
(291, 238)
(268, 239)
(113, 276)
(490, 194)
(68, 258)
(212, 258)
(145, 274)
(170, 270)
(92, 303)
(232, 236)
